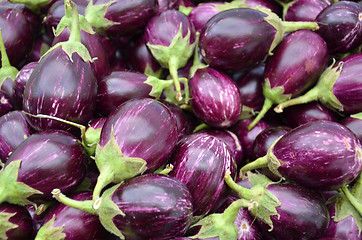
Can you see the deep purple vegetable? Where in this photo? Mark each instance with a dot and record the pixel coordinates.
(272, 5)
(20, 82)
(170, 36)
(300, 114)
(140, 135)
(296, 65)
(164, 5)
(305, 10)
(215, 98)
(62, 84)
(5, 104)
(14, 129)
(205, 158)
(354, 123)
(241, 38)
(340, 25)
(151, 206)
(15, 222)
(41, 45)
(119, 87)
(64, 222)
(37, 213)
(338, 88)
(320, 155)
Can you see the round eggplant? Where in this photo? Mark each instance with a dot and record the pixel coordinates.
(20, 83)
(305, 10)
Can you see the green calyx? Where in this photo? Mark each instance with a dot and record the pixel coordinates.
(231, 5)
(5, 224)
(150, 72)
(73, 45)
(6, 71)
(185, 10)
(49, 231)
(11, 190)
(91, 139)
(33, 5)
(95, 15)
(158, 85)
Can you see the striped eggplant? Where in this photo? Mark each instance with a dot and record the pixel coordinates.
(140, 135)
(20, 82)
(354, 123)
(215, 98)
(44, 161)
(339, 87)
(14, 129)
(15, 222)
(151, 206)
(304, 10)
(320, 155)
(205, 158)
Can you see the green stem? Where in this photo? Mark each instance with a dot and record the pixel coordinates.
(85, 206)
(294, 26)
(5, 62)
(166, 170)
(352, 200)
(173, 66)
(75, 29)
(186, 89)
(105, 177)
(311, 95)
(267, 105)
(232, 211)
(241, 191)
(258, 163)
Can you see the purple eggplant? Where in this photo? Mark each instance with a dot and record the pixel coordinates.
(41, 46)
(120, 18)
(62, 84)
(339, 87)
(119, 87)
(229, 48)
(354, 123)
(215, 98)
(286, 75)
(38, 213)
(320, 155)
(14, 129)
(205, 158)
(340, 26)
(164, 5)
(44, 161)
(64, 222)
(305, 10)
(300, 114)
(20, 83)
(170, 36)
(5, 104)
(127, 144)
(151, 206)
(16, 222)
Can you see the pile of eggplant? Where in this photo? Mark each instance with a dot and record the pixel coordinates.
(180, 119)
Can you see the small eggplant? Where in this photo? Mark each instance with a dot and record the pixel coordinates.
(354, 123)
(20, 83)
(305, 10)
(5, 104)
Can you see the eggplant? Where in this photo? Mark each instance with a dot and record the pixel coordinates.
(64, 222)
(340, 26)
(205, 158)
(15, 222)
(286, 75)
(170, 36)
(41, 45)
(62, 84)
(215, 98)
(119, 87)
(44, 161)
(127, 144)
(20, 82)
(5, 104)
(164, 5)
(354, 124)
(151, 206)
(14, 129)
(241, 38)
(320, 155)
(338, 87)
(304, 10)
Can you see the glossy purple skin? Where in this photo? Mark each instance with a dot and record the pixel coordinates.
(136, 125)
(164, 5)
(303, 214)
(295, 116)
(5, 104)
(14, 129)
(231, 140)
(236, 39)
(340, 25)
(355, 125)
(306, 10)
(297, 62)
(320, 155)
(162, 28)
(93, 43)
(247, 137)
(132, 15)
(119, 87)
(17, 35)
(344, 229)
(272, 5)
(22, 218)
(202, 13)
(20, 83)
(348, 87)
(215, 98)
(40, 43)
(139, 57)
(50, 159)
(60, 88)
(77, 224)
(200, 162)
(37, 218)
(250, 88)
(156, 207)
